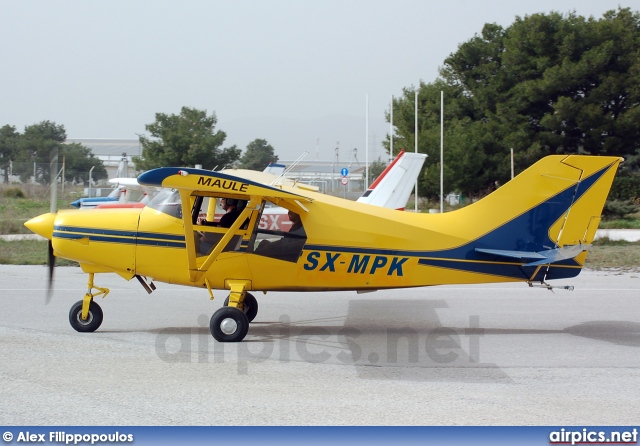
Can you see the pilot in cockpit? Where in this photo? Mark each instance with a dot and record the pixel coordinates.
(233, 209)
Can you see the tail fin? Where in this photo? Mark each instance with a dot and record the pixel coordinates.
(542, 222)
(394, 185)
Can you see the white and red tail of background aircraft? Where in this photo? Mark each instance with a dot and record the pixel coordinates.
(393, 187)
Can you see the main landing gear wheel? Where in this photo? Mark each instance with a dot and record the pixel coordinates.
(93, 321)
(250, 306)
(229, 324)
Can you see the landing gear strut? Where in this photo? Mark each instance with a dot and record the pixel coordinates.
(249, 306)
(231, 322)
(86, 315)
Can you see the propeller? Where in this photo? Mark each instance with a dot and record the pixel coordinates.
(51, 263)
(51, 258)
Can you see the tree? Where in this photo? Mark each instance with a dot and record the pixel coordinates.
(557, 84)
(186, 139)
(78, 162)
(376, 168)
(258, 155)
(549, 83)
(36, 146)
(465, 156)
(9, 140)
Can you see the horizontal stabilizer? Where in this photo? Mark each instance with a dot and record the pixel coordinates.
(512, 254)
(540, 258)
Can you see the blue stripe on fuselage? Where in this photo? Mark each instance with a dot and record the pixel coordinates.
(118, 236)
(526, 232)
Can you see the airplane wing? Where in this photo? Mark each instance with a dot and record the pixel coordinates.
(205, 180)
(128, 182)
(87, 203)
(394, 186)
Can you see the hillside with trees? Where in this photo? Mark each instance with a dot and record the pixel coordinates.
(547, 84)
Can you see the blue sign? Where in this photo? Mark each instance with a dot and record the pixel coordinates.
(344, 171)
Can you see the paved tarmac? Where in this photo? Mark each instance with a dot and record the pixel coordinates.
(451, 355)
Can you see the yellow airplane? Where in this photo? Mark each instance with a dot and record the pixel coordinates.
(535, 228)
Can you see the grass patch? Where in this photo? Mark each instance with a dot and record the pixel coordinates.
(27, 252)
(16, 208)
(618, 254)
(606, 241)
(631, 221)
(624, 223)
(15, 211)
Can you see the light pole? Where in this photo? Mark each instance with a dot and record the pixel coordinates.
(53, 172)
(90, 172)
(135, 166)
(139, 146)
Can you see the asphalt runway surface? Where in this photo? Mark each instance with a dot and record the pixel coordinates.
(453, 355)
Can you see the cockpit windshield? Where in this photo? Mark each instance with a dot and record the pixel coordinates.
(167, 201)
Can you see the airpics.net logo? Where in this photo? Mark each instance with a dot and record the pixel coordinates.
(285, 341)
(591, 436)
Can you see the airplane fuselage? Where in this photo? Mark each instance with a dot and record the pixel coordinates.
(536, 227)
(348, 246)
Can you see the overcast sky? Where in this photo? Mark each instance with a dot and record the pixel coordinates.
(296, 73)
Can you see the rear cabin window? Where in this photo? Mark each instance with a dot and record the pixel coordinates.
(280, 235)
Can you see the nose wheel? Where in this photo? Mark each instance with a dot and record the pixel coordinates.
(88, 324)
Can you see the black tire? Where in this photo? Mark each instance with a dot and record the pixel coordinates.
(228, 324)
(94, 318)
(250, 306)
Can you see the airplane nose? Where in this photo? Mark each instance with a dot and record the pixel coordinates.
(42, 225)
